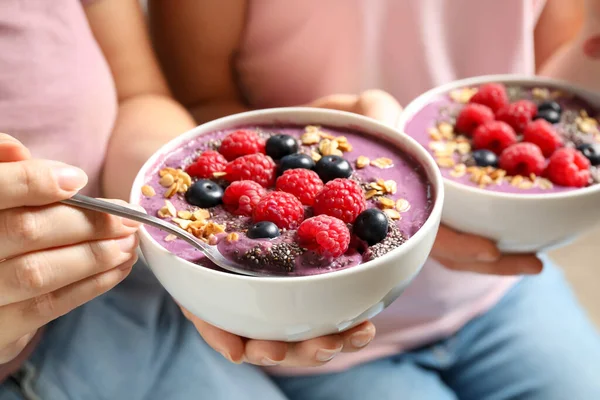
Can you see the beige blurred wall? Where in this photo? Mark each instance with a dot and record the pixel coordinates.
(581, 263)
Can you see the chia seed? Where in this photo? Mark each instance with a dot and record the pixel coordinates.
(213, 144)
(281, 255)
(595, 173)
(393, 239)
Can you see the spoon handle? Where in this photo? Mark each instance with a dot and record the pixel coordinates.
(93, 204)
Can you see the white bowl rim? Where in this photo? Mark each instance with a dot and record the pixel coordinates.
(417, 104)
(432, 171)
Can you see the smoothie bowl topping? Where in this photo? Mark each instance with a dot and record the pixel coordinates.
(304, 199)
(512, 138)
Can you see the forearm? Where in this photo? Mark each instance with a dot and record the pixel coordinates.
(144, 123)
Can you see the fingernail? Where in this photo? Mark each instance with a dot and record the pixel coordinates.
(227, 356)
(127, 243)
(360, 339)
(324, 355)
(268, 362)
(487, 257)
(70, 178)
(533, 268)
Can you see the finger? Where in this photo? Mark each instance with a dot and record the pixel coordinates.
(38, 182)
(505, 265)
(42, 272)
(358, 337)
(269, 353)
(12, 150)
(12, 350)
(313, 352)
(379, 105)
(375, 104)
(340, 102)
(265, 352)
(27, 229)
(229, 345)
(26, 316)
(461, 247)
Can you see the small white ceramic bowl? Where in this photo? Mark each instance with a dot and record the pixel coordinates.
(519, 223)
(294, 308)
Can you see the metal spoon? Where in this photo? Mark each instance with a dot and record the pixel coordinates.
(209, 251)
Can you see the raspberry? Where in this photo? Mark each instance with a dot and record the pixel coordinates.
(522, 159)
(518, 114)
(494, 136)
(208, 163)
(471, 116)
(529, 107)
(280, 208)
(568, 167)
(302, 183)
(324, 235)
(241, 197)
(253, 167)
(241, 143)
(542, 133)
(340, 198)
(492, 95)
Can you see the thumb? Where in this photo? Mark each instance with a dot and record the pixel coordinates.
(340, 102)
(375, 104)
(12, 150)
(379, 105)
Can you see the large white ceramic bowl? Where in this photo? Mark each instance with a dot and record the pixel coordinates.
(519, 223)
(294, 308)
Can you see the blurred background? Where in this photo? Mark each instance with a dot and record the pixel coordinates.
(581, 264)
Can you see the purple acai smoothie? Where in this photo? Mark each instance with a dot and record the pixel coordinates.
(389, 180)
(572, 123)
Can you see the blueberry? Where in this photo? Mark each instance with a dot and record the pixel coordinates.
(204, 194)
(550, 105)
(549, 115)
(297, 160)
(279, 146)
(330, 167)
(591, 151)
(485, 158)
(263, 229)
(371, 226)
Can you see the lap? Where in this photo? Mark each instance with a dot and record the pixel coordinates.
(133, 343)
(10, 391)
(535, 344)
(387, 379)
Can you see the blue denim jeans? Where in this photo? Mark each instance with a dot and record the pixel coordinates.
(134, 344)
(536, 344)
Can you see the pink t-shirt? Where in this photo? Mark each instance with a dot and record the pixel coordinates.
(56, 91)
(294, 52)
